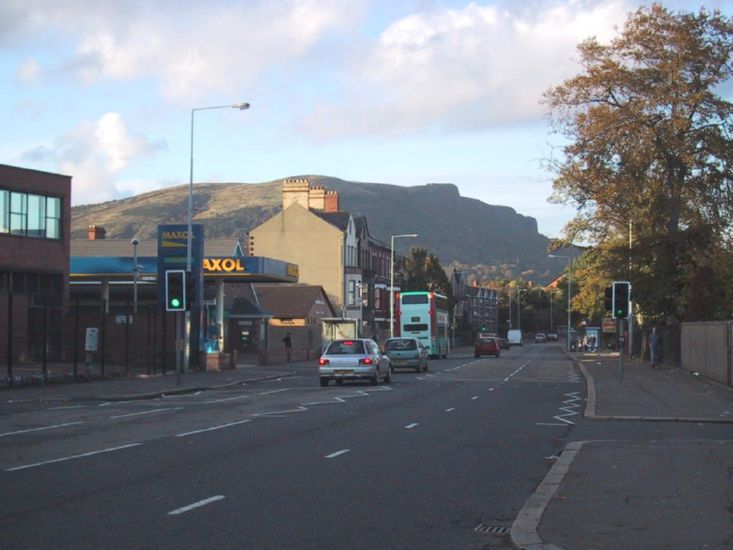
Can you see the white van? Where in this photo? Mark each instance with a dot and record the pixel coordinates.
(514, 337)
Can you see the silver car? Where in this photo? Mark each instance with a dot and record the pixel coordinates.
(355, 359)
(406, 352)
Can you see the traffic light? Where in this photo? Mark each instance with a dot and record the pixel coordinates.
(621, 297)
(175, 290)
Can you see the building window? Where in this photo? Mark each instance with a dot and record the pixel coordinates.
(377, 298)
(352, 293)
(30, 215)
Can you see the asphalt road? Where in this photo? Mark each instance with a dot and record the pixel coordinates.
(443, 459)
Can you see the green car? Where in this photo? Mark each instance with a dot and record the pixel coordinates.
(406, 353)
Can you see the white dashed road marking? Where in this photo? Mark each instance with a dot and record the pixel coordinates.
(92, 453)
(410, 426)
(214, 428)
(337, 453)
(6, 434)
(195, 505)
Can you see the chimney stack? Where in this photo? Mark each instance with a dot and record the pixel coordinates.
(96, 233)
(331, 201)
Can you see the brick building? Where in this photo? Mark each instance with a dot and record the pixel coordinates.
(35, 220)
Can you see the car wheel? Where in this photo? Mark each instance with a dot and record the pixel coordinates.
(418, 369)
(388, 378)
(374, 380)
(426, 367)
(476, 355)
(324, 382)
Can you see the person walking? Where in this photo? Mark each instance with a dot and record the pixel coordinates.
(655, 342)
(288, 345)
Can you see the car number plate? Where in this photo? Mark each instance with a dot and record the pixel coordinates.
(398, 362)
(342, 371)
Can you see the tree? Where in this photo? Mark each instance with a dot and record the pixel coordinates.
(650, 153)
(422, 271)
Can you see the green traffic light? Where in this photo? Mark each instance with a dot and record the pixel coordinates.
(175, 302)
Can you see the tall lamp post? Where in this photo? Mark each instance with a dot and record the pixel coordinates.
(135, 273)
(569, 259)
(391, 278)
(189, 272)
(519, 307)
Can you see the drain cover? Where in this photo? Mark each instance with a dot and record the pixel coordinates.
(493, 529)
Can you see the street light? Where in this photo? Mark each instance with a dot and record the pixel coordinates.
(391, 279)
(519, 307)
(240, 106)
(135, 273)
(569, 259)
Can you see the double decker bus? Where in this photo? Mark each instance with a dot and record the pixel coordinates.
(424, 315)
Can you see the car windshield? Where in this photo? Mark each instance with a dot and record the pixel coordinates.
(346, 347)
(404, 344)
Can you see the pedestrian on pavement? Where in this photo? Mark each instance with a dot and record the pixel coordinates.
(655, 344)
(288, 345)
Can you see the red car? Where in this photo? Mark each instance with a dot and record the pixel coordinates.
(486, 346)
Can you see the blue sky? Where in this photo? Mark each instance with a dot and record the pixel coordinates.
(404, 92)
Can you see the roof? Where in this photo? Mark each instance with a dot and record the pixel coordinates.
(242, 307)
(289, 300)
(148, 247)
(339, 219)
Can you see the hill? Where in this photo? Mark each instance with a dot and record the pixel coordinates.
(464, 233)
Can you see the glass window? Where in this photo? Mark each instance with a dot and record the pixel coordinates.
(4, 212)
(414, 298)
(352, 293)
(417, 327)
(18, 213)
(36, 216)
(53, 218)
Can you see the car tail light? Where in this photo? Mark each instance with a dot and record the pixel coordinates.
(366, 361)
(323, 361)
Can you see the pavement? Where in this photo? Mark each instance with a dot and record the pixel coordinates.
(627, 492)
(144, 386)
(605, 493)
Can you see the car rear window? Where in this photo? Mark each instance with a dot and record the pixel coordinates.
(395, 345)
(346, 347)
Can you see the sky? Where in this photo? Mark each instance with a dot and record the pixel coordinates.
(403, 92)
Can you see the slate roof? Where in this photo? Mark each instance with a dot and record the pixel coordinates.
(289, 300)
(242, 307)
(147, 247)
(338, 219)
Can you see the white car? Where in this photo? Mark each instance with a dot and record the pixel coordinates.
(354, 359)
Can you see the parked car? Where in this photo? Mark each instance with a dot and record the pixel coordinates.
(540, 338)
(406, 353)
(355, 359)
(486, 346)
(552, 336)
(515, 337)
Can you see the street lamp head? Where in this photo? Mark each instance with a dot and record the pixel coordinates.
(241, 106)
(135, 241)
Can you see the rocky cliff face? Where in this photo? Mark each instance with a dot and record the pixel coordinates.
(457, 229)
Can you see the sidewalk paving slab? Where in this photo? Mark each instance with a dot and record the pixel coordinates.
(632, 494)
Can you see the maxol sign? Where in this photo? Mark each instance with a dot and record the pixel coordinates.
(172, 256)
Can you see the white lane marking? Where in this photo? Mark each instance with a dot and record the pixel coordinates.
(210, 401)
(40, 429)
(474, 398)
(410, 426)
(145, 412)
(337, 453)
(549, 424)
(198, 504)
(214, 428)
(91, 453)
(450, 410)
(108, 403)
(515, 372)
(67, 408)
(275, 391)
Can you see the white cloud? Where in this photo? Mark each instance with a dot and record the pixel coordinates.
(468, 68)
(29, 70)
(96, 153)
(190, 47)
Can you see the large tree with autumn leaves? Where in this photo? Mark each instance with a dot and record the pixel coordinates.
(648, 161)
